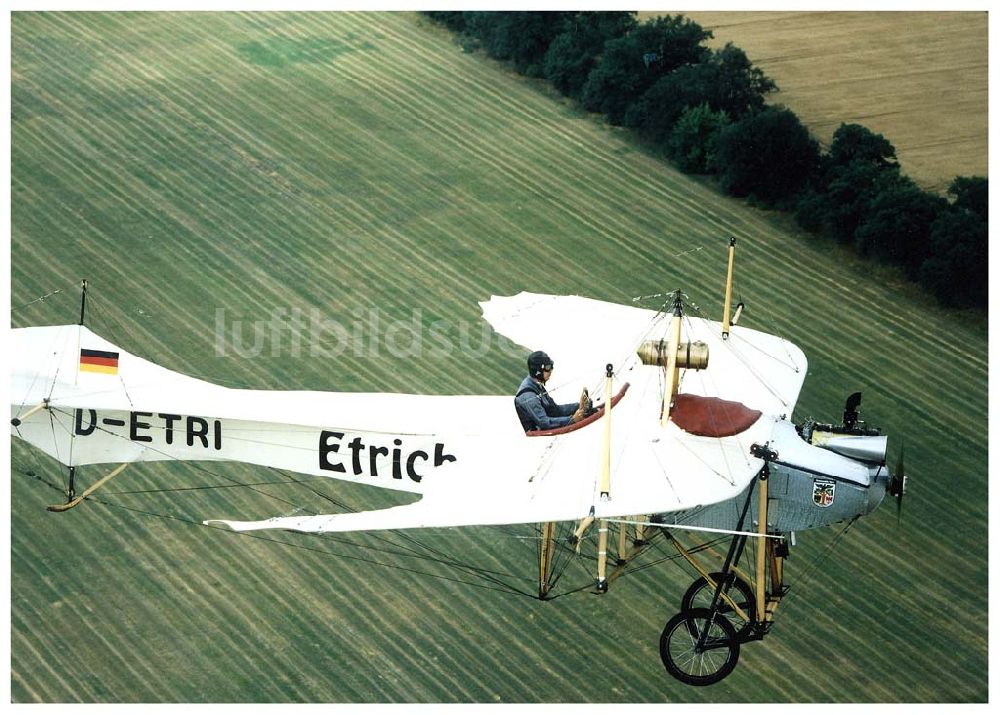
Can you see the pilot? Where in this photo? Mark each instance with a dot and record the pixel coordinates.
(536, 408)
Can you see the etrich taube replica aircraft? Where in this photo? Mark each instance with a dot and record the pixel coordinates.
(693, 436)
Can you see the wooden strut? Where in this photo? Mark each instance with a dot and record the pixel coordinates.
(605, 485)
(760, 586)
(640, 529)
(606, 456)
(602, 556)
(671, 372)
(93, 488)
(622, 543)
(627, 553)
(545, 560)
(708, 578)
(777, 567)
(729, 290)
(43, 405)
(739, 311)
(602, 531)
(577, 537)
(544, 569)
(777, 581)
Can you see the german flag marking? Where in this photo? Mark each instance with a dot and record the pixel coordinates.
(100, 361)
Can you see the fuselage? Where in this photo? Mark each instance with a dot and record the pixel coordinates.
(809, 484)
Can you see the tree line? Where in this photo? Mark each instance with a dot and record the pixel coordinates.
(705, 110)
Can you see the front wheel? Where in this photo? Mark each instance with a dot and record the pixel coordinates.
(689, 659)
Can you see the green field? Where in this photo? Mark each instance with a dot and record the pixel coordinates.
(194, 166)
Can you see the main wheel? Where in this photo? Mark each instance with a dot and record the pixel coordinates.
(690, 664)
(700, 595)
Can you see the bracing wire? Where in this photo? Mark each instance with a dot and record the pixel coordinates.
(391, 548)
(823, 556)
(41, 299)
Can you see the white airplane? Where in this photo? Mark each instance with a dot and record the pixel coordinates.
(697, 438)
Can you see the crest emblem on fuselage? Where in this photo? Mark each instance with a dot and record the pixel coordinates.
(824, 492)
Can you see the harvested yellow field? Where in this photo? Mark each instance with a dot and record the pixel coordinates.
(918, 78)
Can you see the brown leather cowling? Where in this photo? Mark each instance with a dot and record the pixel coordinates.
(712, 417)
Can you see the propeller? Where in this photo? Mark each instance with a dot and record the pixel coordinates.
(897, 482)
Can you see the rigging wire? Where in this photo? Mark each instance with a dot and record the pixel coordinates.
(821, 558)
(483, 574)
(440, 557)
(498, 586)
(41, 299)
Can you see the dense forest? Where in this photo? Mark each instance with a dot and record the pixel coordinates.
(705, 110)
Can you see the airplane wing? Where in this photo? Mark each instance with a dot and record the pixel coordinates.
(655, 469)
(682, 465)
(582, 335)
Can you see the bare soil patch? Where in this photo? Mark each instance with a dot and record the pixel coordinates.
(919, 78)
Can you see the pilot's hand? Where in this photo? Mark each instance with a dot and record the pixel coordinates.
(580, 413)
(585, 401)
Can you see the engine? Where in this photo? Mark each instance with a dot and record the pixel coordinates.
(850, 439)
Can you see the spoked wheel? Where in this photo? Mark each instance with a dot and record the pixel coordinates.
(700, 595)
(687, 662)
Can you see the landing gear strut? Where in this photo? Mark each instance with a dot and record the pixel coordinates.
(721, 610)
